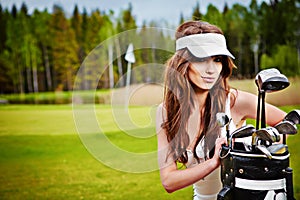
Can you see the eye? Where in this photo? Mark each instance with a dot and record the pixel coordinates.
(218, 59)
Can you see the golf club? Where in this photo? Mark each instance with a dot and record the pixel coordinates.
(277, 149)
(223, 120)
(288, 125)
(269, 134)
(293, 116)
(244, 131)
(269, 80)
(266, 161)
(264, 150)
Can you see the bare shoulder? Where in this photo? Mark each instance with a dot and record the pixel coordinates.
(244, 104)
(243, 97)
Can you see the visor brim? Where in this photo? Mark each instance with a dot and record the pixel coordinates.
(202, 52)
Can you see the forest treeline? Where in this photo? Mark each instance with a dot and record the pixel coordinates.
(43, 51)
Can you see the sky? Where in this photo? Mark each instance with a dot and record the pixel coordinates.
(167, 11)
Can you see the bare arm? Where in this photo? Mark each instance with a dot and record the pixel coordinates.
(246, 105)
(173, 179)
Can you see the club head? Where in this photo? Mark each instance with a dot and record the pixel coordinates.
(269, 134)
(293, 116)
(222, 119)
(286, 127)
(244, 131)
(277, 149)
(270, 80)
(264, 150)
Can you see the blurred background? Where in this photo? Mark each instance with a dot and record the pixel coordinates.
(43, 48)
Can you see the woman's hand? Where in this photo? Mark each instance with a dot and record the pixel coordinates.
(218, 146)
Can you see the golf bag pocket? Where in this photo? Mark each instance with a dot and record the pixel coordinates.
(251, 175)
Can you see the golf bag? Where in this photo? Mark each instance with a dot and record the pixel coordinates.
(259, 171)
(251, 175)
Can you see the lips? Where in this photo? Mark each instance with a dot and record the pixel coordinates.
(208, 79)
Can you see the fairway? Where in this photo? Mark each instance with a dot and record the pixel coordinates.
(42, 156)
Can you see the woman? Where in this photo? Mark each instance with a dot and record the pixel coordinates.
(196, 88)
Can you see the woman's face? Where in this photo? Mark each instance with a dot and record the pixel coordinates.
(204, 72)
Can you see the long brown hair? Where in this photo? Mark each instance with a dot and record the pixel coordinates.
(179, 96)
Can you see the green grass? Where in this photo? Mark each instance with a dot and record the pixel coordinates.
(57, 97)
(42, 157)
(59, 167)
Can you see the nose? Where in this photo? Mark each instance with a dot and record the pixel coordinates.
(210, 67)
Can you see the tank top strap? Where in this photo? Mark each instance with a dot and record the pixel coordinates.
(227, 106)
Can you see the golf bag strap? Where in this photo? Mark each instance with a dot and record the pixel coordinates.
(225, 193)
(260, 184)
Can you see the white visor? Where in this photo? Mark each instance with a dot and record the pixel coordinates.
(204, 45)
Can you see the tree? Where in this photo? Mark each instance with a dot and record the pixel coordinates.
(285, 59)
(84, 38)
(92, 26)
(77, 26)
(196, 12)
(64, 48)
(128, 19)
(214, 16)
(13, 53)
(279, 31)
(28, 50)
(105, 33)
(235, 34)
(181, 20)
(125, 23)
(76, 21)
(5, 79)
(3, 21)
(42, 51)
(253, 23)
(40, 21)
